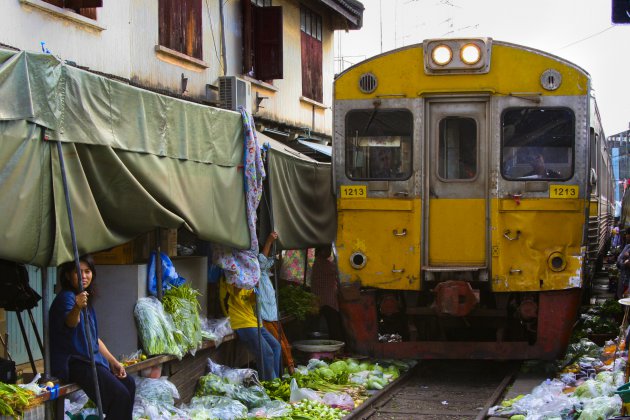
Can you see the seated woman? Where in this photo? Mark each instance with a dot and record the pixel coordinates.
(69, 352)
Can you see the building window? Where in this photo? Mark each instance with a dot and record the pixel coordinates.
(311, 33)
(262, 40)
(180, 26)
(85, 8)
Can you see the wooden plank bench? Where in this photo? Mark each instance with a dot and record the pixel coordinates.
(68, 389)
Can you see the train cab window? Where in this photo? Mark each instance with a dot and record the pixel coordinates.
(457, 153)
(537, 143)
(378, 144)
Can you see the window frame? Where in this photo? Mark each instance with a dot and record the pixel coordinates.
(173, 28)
(262, 33)
(573, 143)
(312, 57)
(85, 8)
(348, 158)
(439, 148)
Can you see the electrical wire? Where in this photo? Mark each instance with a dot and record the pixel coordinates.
(216, 52)
(588, 37)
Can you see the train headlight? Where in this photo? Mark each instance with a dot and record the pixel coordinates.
(556, 261)
(457, 56)
(470, 54)
(358, 260)
(442, 55)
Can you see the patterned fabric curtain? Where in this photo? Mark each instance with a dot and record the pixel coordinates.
(241, 267)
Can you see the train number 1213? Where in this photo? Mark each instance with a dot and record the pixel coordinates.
(563, 191)
(353, 191)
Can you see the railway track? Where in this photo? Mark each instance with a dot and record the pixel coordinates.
(441, 390)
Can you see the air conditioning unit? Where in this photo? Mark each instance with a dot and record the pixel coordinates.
(235, 92)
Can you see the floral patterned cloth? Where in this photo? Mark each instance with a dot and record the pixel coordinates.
(241, 267)
(292, 267)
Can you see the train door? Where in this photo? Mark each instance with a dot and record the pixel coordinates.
(455, 193)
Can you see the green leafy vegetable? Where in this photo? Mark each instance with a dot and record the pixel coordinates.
(296, 301)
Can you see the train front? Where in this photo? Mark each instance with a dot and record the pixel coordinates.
(463, 181)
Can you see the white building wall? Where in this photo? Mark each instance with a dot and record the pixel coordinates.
(104, 46)
(123, 39)
(163, 70)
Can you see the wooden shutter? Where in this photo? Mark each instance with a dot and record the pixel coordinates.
(81, 4)
(248, 36)
(312, 80)
(192, 29)
(180, 26)
(169, 14)
(268, 42)
(85, 8)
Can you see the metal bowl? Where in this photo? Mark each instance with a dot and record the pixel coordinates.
(314, 346)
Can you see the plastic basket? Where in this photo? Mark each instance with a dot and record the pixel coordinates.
(624, 392)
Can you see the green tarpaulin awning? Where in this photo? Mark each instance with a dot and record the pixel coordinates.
(135, 160)
(303, 204)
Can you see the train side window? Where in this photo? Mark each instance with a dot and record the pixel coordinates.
(379, 144)
(457, 152)
(537, 143)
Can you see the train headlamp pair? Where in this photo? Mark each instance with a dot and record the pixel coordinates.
(443, 54)
(457, 56)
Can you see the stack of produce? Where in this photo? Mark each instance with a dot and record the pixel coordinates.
(156, 328)
(13, 400)
(296, 301)
(599, 321)
(181, 304)
(342, 384)
(584, 388)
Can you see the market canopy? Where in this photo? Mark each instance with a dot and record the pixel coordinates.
(135, 160)
(302, 198)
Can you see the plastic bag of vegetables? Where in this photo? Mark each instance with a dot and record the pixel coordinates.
(252, 396)
(215, 407)
(593, 389)
(157, 390)
(212, 384)
(245, 377)
(155, 328)
(299, 394)
(215, 329)
(601, 408)
(338, 400)
(182, 305)
(271, 409)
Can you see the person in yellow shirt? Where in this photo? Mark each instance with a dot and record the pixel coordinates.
(238, 304)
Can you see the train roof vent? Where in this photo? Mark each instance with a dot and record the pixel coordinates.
(368, 83)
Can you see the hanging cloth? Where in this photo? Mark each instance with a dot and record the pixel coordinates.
(241, 267)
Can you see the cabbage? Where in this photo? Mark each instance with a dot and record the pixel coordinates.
(339, 367)
(592, 389)
(326, 373)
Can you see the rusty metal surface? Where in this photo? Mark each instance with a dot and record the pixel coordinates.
(441, 389)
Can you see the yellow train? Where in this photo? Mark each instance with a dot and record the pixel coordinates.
(474, 197)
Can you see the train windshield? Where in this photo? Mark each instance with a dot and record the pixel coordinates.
(378, 144)
(537, 143)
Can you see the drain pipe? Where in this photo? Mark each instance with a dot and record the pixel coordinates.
(222, 26)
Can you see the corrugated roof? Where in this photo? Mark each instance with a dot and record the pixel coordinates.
(350, 10)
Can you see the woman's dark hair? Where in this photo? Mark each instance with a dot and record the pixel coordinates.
(66, 270)
(323, 251)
